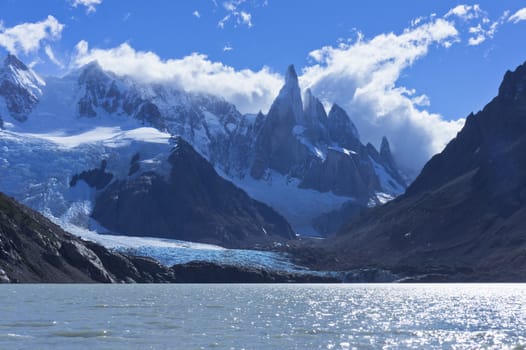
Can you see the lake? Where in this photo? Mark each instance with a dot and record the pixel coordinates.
(388, 316)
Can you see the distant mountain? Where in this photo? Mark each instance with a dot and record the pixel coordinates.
(464, 217)
(20, 89)
(189, 203)
(303, 163)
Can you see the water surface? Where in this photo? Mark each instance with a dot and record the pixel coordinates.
(263, 316)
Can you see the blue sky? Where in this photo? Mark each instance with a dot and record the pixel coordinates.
(450, 62)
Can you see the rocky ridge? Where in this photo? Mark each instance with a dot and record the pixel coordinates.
(463, 218)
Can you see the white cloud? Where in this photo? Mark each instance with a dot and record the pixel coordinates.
(246, 18)
(27, 37)
(51, 55)
(227, 48)
(89, 4)
(250, 91)
(196, 14)
(481, 27)
(235, 14)
(476, 40)
(465, 12)
(362, 77)
(518, 16)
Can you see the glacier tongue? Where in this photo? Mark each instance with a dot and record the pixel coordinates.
(170, 252)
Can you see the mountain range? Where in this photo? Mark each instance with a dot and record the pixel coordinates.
(83, 142)
(108, 153)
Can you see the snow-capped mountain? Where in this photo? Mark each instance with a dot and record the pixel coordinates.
(321, 152)
(20, 89)
(297, 159)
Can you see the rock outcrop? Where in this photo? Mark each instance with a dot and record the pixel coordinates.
(191, 203)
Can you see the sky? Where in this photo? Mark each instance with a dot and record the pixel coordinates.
(408, 69)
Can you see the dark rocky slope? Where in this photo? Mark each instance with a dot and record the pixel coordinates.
(192, 203)
(34, 250)
(464, 217)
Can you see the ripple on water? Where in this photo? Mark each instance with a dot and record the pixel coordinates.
(266, 317)
(82, 333)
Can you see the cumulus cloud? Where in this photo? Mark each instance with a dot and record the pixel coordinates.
(518, 16)
(196, 14)
(250, 91)
(27, 37)
(89, 4)
(362, 76)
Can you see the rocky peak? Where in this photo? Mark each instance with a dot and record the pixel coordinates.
(288, 104)
(313, 110)
(290, 76)
(13, 61)
(101, 90)
(341, 128)
(20, 87)
(385, 153)
(93, 72)
(183, 148)
(21, 75)
(513, 85)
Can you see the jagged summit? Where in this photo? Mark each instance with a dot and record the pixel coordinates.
(290, 76)
(385, 151)
(12, 60)
(384, 146)
(341, 128)
(314, 110)
(288, 105)
(20, 88)
(514, 84)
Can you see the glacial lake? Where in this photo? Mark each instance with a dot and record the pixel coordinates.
(381, 316)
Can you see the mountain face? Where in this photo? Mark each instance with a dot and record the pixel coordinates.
(191, 203)
(32, 249)
(305, 164)
(465, 214)
(20, 89)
